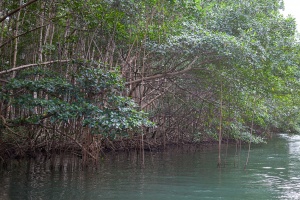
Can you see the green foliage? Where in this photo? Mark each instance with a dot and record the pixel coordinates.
(251, 49)
(240, 57)
(91, 97)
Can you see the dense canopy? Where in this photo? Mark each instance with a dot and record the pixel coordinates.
(87, 72)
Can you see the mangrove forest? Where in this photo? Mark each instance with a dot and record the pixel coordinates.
(91, 76)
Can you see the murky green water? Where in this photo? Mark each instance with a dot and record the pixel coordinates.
(273, 172)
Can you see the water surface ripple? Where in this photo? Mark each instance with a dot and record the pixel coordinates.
(273, 172)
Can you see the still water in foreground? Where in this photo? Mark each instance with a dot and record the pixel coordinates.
(273, 172)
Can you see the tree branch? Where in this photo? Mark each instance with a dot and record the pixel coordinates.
(16, 10)
(188, 68)
(32, 65)
(1, 45)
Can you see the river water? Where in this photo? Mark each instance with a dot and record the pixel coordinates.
(273, 172)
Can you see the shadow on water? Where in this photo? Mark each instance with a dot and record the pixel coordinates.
(273, 172)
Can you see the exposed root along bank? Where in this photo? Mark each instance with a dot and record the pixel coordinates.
(92, 151)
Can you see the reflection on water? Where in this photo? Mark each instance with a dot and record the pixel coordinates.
(291, 186)
(273, 172)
